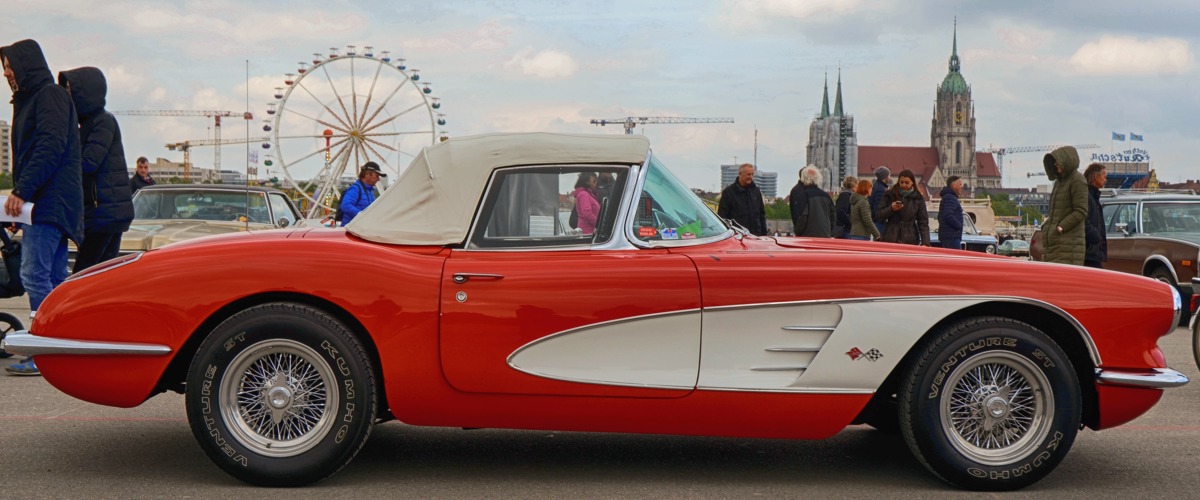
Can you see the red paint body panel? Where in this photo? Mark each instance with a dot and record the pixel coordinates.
(1120, 405)
(541, 293)
(401, 296)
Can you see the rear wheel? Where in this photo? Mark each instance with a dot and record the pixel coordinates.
(990, 404)
(281, 395)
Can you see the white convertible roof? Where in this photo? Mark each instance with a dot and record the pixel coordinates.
(433, 202)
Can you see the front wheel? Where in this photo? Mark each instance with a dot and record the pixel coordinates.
(1196, 341)
(990, 404)
(281, 395)
(990, 249)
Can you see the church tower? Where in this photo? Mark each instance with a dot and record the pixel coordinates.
(953, 133)
(832, 141)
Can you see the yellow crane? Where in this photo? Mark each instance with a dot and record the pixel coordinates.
(186, 147)
(215, 115)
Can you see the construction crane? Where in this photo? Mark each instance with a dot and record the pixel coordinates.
(1000, 152)
(186, 147)
(215, 115)
(631, 121)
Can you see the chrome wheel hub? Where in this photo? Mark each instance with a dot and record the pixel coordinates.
(278, 397)
(997, 408)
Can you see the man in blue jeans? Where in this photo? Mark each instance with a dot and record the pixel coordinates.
(46, 172)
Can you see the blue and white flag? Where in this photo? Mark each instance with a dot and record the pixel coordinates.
(1118, 137)
(1134, 137)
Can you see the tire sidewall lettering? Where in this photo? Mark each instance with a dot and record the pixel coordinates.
(215, 434)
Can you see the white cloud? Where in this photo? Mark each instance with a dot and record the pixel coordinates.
(547, 64)
(1024, 38)
(751, 13)
(1113, 55)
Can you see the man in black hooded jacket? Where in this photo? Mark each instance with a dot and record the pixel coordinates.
(107, 205)
(46, 172)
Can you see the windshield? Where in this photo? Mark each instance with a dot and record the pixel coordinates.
(667, 210)
(200, 204)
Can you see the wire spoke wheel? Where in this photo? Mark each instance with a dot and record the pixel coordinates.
(344, 110)
(996, 410)
(277, 395)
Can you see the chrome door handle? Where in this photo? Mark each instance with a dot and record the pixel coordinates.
(461, 278)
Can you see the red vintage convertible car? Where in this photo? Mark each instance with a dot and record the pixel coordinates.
(464, 298)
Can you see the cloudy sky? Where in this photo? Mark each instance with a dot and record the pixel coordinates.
(1068, 72)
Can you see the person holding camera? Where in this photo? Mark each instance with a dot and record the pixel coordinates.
(903, 214)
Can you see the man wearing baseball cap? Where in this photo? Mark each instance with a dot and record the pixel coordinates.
(361, 194)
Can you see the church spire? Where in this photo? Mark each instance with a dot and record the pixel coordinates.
(825, 99)
(837, 106)
(954, 66)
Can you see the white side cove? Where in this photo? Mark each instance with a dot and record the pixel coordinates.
(847, 347)
(814, 347)
(661, 351)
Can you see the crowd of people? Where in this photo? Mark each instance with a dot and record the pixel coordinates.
(1074, 231)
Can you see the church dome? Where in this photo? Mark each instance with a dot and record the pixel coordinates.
(954, 84)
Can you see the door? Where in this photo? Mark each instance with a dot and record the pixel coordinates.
(533, 305)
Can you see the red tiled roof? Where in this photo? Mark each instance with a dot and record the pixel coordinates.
(987, 165)
(921, 160)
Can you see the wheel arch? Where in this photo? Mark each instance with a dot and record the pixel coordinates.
(1156, 261)
(1057, 324)
(175, 375)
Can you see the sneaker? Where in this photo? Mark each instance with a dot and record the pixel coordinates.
(26, 368)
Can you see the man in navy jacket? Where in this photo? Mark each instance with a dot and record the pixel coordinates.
(107, 205)
(46, 171)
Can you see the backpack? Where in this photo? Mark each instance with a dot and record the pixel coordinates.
(843, 215)
(10, 272)
(337, 214)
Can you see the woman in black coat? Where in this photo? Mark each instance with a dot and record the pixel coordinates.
(902, 212)
(107, 209)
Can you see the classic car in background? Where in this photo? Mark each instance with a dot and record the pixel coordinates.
(1013, 248)
(971, 239)
(166, 213)
(461, 299)
(1150, 234)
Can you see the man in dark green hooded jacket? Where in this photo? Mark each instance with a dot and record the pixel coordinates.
(1064, 237)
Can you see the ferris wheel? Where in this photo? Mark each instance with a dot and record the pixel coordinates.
(344, 110)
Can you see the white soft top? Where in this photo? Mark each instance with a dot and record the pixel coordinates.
(434, 201)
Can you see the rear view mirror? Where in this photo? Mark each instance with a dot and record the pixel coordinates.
(283, 222)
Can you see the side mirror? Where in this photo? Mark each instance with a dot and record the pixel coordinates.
(1123, 227)
(283, 222)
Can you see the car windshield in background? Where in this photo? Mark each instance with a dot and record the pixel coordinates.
(667, 210)
(1169, 217)
(201, 205)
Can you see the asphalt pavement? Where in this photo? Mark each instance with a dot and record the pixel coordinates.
(57, 447)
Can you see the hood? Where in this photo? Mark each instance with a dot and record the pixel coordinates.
(948, 191)
(28, 66)
(1066, 156)
(88, 88)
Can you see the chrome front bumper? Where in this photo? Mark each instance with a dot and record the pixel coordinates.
(1158, 378)
(28, 344)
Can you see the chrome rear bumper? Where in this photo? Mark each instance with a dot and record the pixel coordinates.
(28, 344)
(1160, 378)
